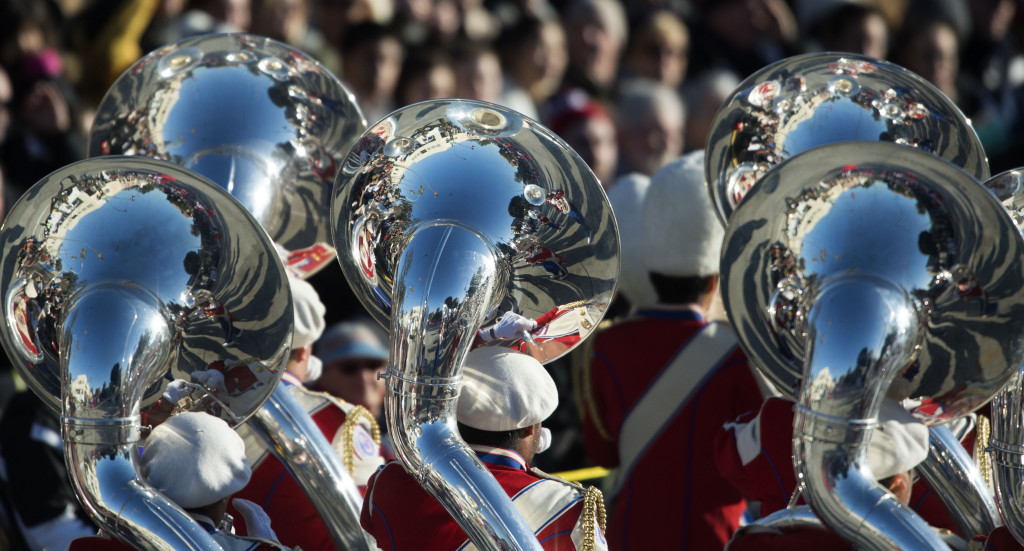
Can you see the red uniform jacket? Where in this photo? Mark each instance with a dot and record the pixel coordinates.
(755, 453)
(674, 496)
(1000, 539)
(402, 516)
(293, 517)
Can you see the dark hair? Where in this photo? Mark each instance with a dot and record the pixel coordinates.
(678, 290)
(497, 439)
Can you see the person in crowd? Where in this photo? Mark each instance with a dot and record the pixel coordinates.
(427, 73)
(587, 126)
(353, 357)
(661, 382)
(352, 432)
(659, 49)
(597, 34)
(198, 462)
(857, 26)
(649, 121)
(534, 58)
(742, 36)
(289, 21)
(371, 64)
(504, 399)
(755, 454)
(703, 96)
(478, 73)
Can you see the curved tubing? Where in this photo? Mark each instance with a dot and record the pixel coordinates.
(1007, 446)
(447, 275)
(113, 339)
(958, 483)
(294, 438)
(860, 334)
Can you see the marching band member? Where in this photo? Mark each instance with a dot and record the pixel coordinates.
(660, 384)
(504, 398)
(755, 454)
(351, 430)
(198, 462)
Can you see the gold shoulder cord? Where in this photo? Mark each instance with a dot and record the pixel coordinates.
(983, 430)
(593, 509)
(975, 546)
(348, 430)
(582, 385)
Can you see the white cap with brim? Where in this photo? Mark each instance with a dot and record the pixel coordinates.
(347, 340)
(682, 234)
(195, 459)
(626, 198)
(504, 390)
(309, 313)
(898, 444)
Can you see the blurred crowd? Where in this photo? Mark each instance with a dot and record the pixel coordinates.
(630, 86)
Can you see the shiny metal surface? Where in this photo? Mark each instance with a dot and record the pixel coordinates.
(1006, 446)
(258, 117)
(815, 99)
(861, 270)
(1008, 187)
(295, 439)
(119, 275)
(446, 212)
(959, 484)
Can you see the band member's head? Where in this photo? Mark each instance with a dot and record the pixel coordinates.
(505, 396)
(309, 325)
(683, 237)
(353, 356)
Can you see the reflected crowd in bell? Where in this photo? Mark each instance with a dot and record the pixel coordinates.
(429, 167)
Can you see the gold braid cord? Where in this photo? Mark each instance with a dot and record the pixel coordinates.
(983, 430)
(582, 385)
(593, 513)
(352, 419)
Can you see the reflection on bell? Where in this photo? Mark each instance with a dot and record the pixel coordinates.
(811, 100)
(261, 119)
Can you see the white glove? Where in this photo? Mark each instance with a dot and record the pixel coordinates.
(211, 379)
(175, 391)
(511, 325)
(257, 523)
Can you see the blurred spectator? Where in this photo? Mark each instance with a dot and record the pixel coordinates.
(107, 38)
(371, 64)
(597, 35)
(434, 22)
(478, 73)
(742, 35)
(590, 130)
(703, 96)
(353, 356)
(534, 56)
(650, 119)
(997, 67)
(288, 22)
(857, 26)
(335, 17)
(215, 16)
(426, 74)
(43, 511)
(659, 49)
(45, 130)
(929, 45)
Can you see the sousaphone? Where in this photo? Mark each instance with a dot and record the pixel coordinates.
(446, 212)
(857, 271)
(120, 275)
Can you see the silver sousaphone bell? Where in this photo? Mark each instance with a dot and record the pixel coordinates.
(119, 275)
(263, 120)
(810, 100)
(444, 212)
(856, 271)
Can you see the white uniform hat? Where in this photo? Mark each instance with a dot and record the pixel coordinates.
(898, 444)
(195, 459)
(683, 236)
(627, 201)
(504, 389)
(309, 313)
